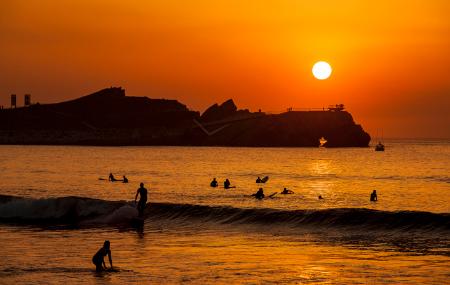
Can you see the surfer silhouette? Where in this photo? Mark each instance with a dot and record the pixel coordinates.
(125, 179)
(373, 196)
(214, 183)
(98, 258)
(258, 180)
(226, 184)
(259, 194)
(286, 191)
(142, 192)
(111, 178)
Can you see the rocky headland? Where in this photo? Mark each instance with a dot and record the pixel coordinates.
(109, 117)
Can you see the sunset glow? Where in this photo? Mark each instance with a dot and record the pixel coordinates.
(392, 56)
(225, 142)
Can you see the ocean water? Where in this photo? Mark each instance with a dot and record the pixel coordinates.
(55, 213)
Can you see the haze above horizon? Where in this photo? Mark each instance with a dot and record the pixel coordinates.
(390, 60)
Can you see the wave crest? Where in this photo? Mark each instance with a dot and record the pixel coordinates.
(87, 211)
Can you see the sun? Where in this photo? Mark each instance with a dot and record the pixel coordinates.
(321, 70)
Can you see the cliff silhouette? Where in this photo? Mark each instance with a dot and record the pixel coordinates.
(109, 117)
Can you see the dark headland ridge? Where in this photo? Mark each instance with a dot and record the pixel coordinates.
(109, 117)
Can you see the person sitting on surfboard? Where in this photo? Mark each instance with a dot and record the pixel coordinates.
(125, 180)
(111, 178)
(214, 183)
(320, 197)
(98, 258)
(226, 184)
(142, 191)
(259, 194)
(286, 191)
(373, 196)
(258, 180)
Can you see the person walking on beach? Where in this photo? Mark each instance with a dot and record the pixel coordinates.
(98, 258)
(373, 196)
(142, 192)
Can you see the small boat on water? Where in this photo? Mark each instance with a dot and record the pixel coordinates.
(379, 147)
(322, 142)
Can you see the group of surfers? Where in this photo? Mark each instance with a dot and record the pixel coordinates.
(260, 193)
(113, 179)
(98, 258)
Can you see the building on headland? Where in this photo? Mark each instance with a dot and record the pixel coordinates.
(13, 101)
(27, 100)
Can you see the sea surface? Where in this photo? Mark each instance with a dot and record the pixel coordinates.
(57, 209)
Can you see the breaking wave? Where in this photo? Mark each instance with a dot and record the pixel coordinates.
(64, 210)
(86, 211)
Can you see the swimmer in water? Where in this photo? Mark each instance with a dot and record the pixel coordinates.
(287, 191)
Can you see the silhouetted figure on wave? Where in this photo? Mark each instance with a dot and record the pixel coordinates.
(125, 179)
(258, 180)
(287, 191)
(320, 197)
(142, 192)
(214, 183)
(373, 196)
(98, 258)
(259, 194)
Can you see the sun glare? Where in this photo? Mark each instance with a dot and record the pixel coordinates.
(321, 70)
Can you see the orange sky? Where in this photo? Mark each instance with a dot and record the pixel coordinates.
(391, 59)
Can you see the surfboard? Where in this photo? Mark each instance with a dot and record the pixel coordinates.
(264, 180)
(273, 194)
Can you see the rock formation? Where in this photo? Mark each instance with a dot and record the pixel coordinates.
(108, 117)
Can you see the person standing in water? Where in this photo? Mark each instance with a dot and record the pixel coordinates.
(142, 192)
(98, 258)
(373, 196)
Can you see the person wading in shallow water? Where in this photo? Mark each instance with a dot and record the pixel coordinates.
(142, 192)
(98, 258)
